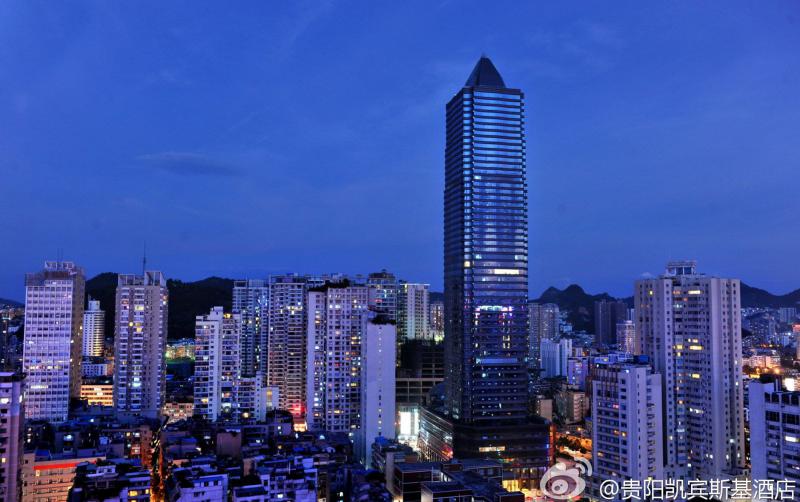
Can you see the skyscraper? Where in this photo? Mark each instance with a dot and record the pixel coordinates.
(51, 355)
(689, 324)
(286, 338)
(486, 250)
(250, 300)
(217, 365)
(94, 331)
(544, 318)
(606, 316)
(486, 279)
(140, 337)
(412, 311)
(337, 324)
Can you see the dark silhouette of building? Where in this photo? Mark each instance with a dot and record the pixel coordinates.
(606, 316)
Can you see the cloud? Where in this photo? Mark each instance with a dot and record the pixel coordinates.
(589, 45)
(187, 164)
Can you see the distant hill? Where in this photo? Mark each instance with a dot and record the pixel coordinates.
(190, 299)
(581, 304)
(186, 300)
(578, 302)
(10, 303)
(103, 287)
(755, 297)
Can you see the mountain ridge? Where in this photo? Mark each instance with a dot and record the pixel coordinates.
(11, 303)
(189, 299)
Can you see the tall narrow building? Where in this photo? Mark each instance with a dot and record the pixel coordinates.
(377, 386)
(140, 336)
(486, 280)
(250, 302)
(627, 422)
(412, 311)
(626, 337)
(52, 347)
(94, 331)
(286, 338)
(689, 324)
(774, 418)
(544, 318)
(383, 292)
(436, 317)
(11, 435)
(607, 314)
(337, 324)
(217, 365)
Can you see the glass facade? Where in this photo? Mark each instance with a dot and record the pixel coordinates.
(486, 251)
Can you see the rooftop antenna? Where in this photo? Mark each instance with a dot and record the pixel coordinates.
(144, 258)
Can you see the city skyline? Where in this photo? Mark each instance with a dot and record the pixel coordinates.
(325, 356)
(628, 105)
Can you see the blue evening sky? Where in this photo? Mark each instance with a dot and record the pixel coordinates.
(246, 138)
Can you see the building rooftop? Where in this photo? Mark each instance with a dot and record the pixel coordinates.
(417, 466)
(485, 75)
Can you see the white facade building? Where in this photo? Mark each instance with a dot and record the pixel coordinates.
(774, 433)
(140, 335)
(627, 424)
(412, 311)
(379, 354)
(337, 324)
(554, 356)
(689, 324)
(217, 365)
(11, 434)
(52, 347)
(94, 331)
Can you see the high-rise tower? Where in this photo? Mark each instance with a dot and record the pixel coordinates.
(94, 332)
(486, 279)
(286, 342)
(217, 364)
(51, 360)
(486, 250)
(543, 319)
(690, 326)
(140, 338)
(250, 302)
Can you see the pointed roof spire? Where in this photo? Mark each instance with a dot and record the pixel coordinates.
(485, 75)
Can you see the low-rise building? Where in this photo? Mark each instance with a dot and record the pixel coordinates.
(110, 481)
(49, 476)
(98, 391)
